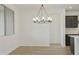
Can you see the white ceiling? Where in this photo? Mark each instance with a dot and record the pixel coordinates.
(51, 6)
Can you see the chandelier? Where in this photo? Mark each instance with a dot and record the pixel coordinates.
(42, 16)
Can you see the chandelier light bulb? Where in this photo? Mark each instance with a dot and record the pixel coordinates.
(43, 18)
(34, 19)
(50, 19)
(37, 18)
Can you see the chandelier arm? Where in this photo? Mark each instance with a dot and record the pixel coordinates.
(42, 8)
(39, 11)
(45, 10)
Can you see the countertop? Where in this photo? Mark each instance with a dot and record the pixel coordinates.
(72, 34)
(75, 36)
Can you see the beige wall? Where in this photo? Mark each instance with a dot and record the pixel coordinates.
(54, 32)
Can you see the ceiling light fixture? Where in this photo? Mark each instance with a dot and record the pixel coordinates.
(42, 16)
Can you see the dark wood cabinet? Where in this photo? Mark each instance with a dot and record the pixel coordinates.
(72, 44)
(71, 21)
(67, 40)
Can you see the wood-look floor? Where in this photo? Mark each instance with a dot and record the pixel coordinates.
(54, 49)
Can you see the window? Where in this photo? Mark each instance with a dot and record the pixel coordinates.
(6, 21)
